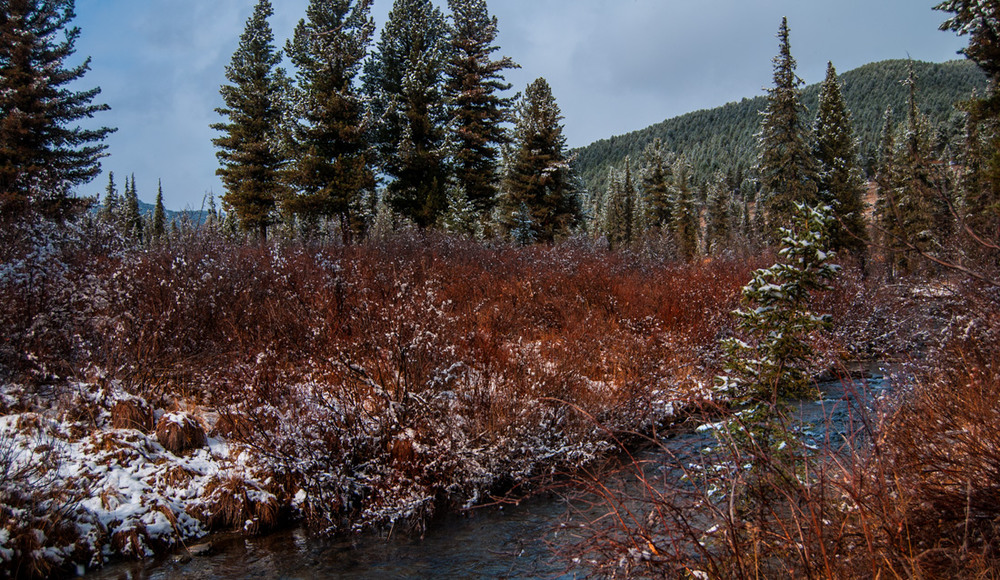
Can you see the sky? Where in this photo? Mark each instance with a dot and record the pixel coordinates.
(615, 66)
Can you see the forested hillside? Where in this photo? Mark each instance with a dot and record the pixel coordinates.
(723, 138)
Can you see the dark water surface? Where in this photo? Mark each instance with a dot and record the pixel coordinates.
(491, 542)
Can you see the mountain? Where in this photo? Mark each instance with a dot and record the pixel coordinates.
(724, 139)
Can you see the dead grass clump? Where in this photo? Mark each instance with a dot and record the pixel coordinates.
(180, 432)
(131, 541)
(233, 502)
(132, 413)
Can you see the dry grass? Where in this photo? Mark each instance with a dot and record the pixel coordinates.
(232, 502)
(132, 413)
(180, 432)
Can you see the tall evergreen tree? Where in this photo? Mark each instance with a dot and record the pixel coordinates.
(331, 170)
(656, 177)
(159, 227)
(131, 219)
(112, 201)
(250, 151)
(685, 225)
(841, 183)
(720, 225)
(404, 80)
(619, 213)
(473, 83)
(981, 182)
(787, 170)
(888, 225)
(41, 155)
(539, 176)
(922, 216)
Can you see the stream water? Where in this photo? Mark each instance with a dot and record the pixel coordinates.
(514, 541)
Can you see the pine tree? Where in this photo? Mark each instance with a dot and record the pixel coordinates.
(981, 181)
(539, 177)
(719, 218)
(478, 112)
(523, 228)
(773, 363)
(250, 153)
(922, 222)
(686, 221)
(159, 227)
(131, 219)
(787, 170)
(331, 169)
(461, 217)
(656, 177)
(619, 214)
(110, 209)
(404, 80)
(841, 183)
(41, 156)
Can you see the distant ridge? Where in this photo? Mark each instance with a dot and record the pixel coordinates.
(723, 138)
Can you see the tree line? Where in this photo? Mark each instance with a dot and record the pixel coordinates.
(416, 127)
(923, 183)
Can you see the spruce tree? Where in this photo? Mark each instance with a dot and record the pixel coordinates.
(887, 219)
(619, 213)
(841, 183)
(772, 361)
(981, 181)
(159, 227)
(41, 155)
(331, 170)
(473, 85)
(250, 151)
(720, 216)
(539, 178)
(922, 218)
(655, 183)
(787, 170)
(461, 217)
(131, 219)
(404, 80)
(112, 201)
(685, 225)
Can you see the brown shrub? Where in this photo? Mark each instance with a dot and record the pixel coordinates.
(233, 426)
(180, 432)
(132, 413)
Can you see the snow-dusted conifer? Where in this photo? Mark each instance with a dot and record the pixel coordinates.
(787, 169)
(41, 155)
(686, 223)
(112, 201)
(131, 219)
(474, 81)
(539, 176)
(250, 153)
(657, 174)
(772, 361)
(841, 183)
(404, 80)
(159, 224)
(619, 213)
(720, 216)
(331, 170)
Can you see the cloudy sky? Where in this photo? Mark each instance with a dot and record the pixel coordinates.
(614, 65)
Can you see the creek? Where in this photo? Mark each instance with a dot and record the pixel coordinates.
(512, 541)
